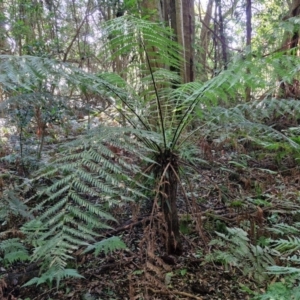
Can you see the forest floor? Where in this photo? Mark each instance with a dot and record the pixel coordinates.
(233, 189)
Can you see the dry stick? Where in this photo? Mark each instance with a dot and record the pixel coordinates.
(175, 292)
(127, 226)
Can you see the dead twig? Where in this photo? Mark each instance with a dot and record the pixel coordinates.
(175, 292)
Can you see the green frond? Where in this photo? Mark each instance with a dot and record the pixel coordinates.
(284, 229)
(56, 209)
(107, 245)
(53, 273)
(13, 250)
(91, 219)
(130, 34)
(12, 204)
(85, 177)
(278, 270)
(237, 250)
(287, 246)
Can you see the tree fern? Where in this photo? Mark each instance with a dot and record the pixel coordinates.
(87, 174)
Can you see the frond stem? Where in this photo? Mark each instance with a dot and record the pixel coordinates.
(186, 115)
(156, 95)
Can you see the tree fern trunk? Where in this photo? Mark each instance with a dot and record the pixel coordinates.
(174, 245)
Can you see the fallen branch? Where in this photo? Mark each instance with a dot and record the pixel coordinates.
(127, 226)
(176, 293)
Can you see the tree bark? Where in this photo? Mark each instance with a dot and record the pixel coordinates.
(205, 35)
(222, 35)
(291, 41)
(180, 16)
(248, 40)
(169, 200)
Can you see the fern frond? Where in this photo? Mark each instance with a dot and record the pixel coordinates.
(127, 33)
(107, 245)
(237, 251)
(13, 250)
(51, 274)
(284, 229)
(85, 176)
(283, 270)
(288, 245)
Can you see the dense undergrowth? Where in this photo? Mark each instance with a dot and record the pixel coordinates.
(241, 220)
(159, 183)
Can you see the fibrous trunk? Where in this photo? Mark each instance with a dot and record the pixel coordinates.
(171, 215)
(168, 193)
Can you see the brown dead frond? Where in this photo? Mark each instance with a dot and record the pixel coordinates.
(3, 286)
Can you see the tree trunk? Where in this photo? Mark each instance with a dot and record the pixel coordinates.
(169, 200)
(291, 41)
(222, 35)
(180, 16)
(248, 41)
(188, 17)
(205, 35)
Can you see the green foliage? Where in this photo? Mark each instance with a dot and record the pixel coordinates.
(236, 250)
(87, 176)
(284, 290)
(108, 245)
(53, 274)
(12, 250)
(12, 205)
(287, 286)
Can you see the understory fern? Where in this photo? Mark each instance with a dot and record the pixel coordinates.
(106, 246)
(53, 274)
(236, 250)
(12, 205)
(249, 122)
(13, 250)
(287, 273)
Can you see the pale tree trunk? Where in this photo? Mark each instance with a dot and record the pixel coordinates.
(248, 40)
(180, 16)
(154, 13)
(4, 45)
(222, 36)
(205, 37)
(188, 16)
